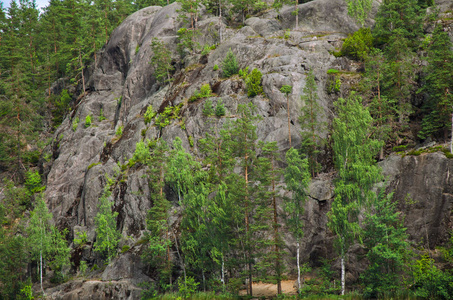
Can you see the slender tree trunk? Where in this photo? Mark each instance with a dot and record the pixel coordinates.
(247, 229)
(298, 266)
(343, 271)
(40, 269)
(220, 22)
(81, 67)
(180, 258)
(289, 120)
(223, 273)
(276, 239)
(451, 141)
(296, 2)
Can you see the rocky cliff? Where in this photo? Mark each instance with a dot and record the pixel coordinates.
(121, 85)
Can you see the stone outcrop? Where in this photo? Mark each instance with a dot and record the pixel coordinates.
(122, 85)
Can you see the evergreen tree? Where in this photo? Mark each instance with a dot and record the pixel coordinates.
(267, 174)
(159, 235)
(107, 236)
(243, 133)
(438, 86)
(311, 124)
(161, 61)
(297, 179)
(13, 251)
(286, 89)
(404, 15)
(382, 108)
(399, 73)
(359, 9)
(384, 238)
(357, 172)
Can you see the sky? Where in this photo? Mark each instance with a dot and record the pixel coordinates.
(40, 3)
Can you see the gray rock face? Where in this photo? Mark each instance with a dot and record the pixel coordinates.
(122, 84)
(423, 187)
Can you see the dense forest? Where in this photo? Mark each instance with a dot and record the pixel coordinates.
(231, 230)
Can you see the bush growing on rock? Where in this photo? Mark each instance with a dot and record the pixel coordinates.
(230, 64)
(253, 83)
(220, 109)
(358, 45)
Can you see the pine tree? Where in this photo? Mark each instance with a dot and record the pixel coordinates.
(297, 179)
(439, 86)
(399, 79)
(107, 236)
(403, 15)
(386, 243)
(382, 108)
(159, 235)
(311, 124)
(359, 9)
(268, 174)
(161, 61)
(244, 134)
(357, 172)
(286, 89)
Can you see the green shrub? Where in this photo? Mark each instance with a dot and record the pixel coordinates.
(332, 71)
(220, 109)
(358, 45)
(414, 152)
(141, 153)
(119, 131)
(287, 34)
(27, 292)
(191, 142)
(207, 49)
(33, 182)
(83, 267)
(92, 165)
(399, 148)
(149, 114)
(186, 289)
(215, 68)
(253, 83)
(205, 92)
(75, 123)
(207, 108)
(80, 238)
(334, 85)
(163, 119)
(243, 73)
(230, 65)
(87, 121)
(125, 248)
(101, 116)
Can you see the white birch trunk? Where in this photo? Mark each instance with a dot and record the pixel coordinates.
(342, 273)
(40, 269)
(298, 267)
(223, 274)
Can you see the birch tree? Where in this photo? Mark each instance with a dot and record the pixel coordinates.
(354, 153)
(297, 179)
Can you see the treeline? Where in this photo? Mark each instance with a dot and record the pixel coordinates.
(36, 49)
